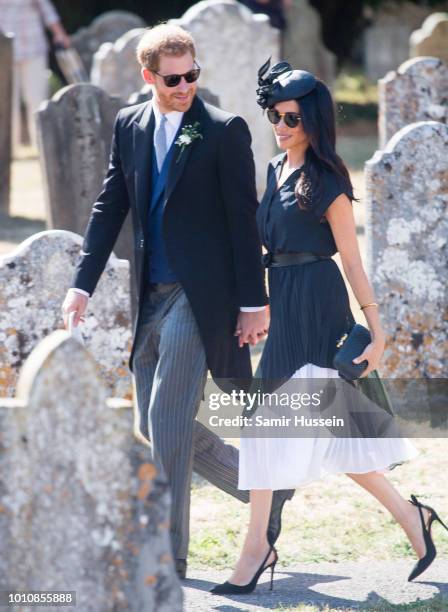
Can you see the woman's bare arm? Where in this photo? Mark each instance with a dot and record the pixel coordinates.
(342, 222)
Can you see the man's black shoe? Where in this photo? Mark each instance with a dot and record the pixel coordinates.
(275, 518)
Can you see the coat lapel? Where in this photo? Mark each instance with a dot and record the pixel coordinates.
(178, 161)
(143, 133)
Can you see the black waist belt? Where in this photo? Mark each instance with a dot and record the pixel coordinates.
(275, 260)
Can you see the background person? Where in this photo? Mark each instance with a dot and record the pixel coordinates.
(27, 20)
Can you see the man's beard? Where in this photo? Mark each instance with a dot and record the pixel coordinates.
(170, 101)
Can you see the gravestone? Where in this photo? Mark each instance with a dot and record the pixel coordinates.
(232, 43)
(417, 91)
(6, 49)
(75, 130)
(115, 67)
(385, 42)
(432, 38)
(407, 233)
(302, 43)
(74, 134)
(145, 94)
(107, 27)
(34, 279)
(77, 491)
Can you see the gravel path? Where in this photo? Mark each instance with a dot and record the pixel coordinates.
(346, 585)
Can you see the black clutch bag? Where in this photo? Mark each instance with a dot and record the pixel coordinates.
(350, 346)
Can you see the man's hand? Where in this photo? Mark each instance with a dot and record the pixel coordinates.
(251, 327)
(60, 36)
(77, 302)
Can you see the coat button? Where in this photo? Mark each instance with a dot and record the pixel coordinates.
(142, 242)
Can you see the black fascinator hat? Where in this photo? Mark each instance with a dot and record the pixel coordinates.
(282, 83)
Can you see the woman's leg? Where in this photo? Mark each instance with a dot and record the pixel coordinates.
(256, 545)
(35, 90)
(16, 107)
(405, 513)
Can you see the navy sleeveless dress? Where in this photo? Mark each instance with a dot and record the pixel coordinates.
(310, 310)
(312, 298)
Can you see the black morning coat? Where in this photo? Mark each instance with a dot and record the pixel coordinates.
(211, 238)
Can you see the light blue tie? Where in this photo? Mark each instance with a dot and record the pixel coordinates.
(160, 142)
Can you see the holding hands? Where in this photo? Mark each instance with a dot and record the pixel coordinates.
(251, 327)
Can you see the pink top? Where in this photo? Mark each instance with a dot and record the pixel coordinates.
(27, 19)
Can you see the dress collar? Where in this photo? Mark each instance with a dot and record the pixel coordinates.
(278, 162)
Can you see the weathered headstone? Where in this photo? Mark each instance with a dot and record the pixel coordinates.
(74, 135)
(6, 50)
(107, 27)
(75, 130)
(34, 279)
(115, 68)
(432, 38)
(302, 44)
(417, 91)
(145, 94)
(77, 491)
(386, 40)
(232, 43)
(407, 234)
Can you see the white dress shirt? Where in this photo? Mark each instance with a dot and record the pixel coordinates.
(174, 119)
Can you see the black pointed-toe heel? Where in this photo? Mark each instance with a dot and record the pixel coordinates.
(431, 552)
(227, 588)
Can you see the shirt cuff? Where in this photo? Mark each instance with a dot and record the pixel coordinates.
(80, 291)
(252, 308)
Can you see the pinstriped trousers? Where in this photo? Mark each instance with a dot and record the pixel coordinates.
(170, 373)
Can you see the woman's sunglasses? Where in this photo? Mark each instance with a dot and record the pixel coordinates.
(292, 120)
(172, 80)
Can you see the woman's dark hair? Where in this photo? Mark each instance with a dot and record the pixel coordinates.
(318, 122)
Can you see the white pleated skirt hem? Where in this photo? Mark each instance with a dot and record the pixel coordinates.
(289, 463)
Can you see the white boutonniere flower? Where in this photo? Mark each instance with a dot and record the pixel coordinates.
(187, 136)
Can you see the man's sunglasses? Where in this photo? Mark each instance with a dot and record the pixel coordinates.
(292, 120)
(172, 80)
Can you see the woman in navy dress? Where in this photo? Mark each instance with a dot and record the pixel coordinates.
(305, 217)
